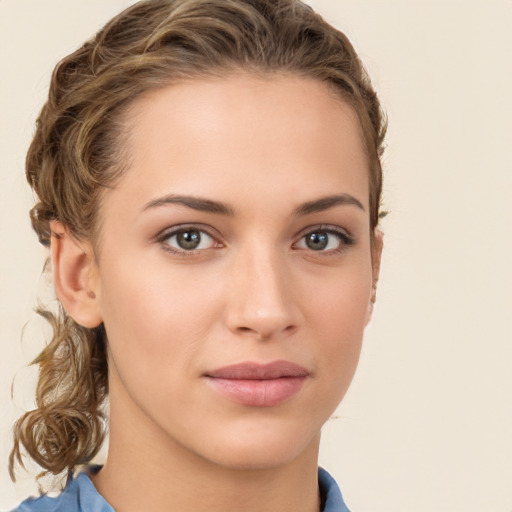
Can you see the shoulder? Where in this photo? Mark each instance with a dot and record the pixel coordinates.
(332, 499)
(79, 495)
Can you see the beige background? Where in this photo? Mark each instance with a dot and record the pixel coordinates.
(427, 424)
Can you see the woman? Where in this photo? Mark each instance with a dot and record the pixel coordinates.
(208, 179)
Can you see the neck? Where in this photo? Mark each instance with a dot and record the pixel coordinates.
(146, 470)
(177, 482)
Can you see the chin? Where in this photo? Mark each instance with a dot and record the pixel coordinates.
(261, 448)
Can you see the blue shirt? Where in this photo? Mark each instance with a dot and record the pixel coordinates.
(80, 495)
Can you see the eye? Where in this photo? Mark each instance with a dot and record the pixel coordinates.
(325, 240)
(188, 239)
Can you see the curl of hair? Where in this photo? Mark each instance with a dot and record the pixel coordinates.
(72, 385)
(78, 151)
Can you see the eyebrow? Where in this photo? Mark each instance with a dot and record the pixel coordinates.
(196, 203)
(210, 206)
(324, 203)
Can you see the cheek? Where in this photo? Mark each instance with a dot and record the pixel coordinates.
(340, 319)
(154, 319)
(341, 305)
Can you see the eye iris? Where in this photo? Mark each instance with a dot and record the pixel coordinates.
(188, 239)
(317, 241)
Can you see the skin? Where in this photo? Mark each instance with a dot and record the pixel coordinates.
(253, 290)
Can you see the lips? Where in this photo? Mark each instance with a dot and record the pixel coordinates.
(258, 385)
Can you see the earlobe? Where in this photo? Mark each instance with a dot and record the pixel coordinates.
(74, 276)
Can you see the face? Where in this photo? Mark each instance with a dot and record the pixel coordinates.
(234, 273)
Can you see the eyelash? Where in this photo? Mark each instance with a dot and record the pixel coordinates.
(345, 239)
(163, 238)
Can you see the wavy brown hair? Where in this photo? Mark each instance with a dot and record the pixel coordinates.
(79, 149)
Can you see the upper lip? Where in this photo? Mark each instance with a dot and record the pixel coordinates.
(258, 371)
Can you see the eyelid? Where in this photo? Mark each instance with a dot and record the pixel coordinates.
(168, 232)
(346, 238)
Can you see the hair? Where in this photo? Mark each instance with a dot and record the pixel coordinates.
(77, 151)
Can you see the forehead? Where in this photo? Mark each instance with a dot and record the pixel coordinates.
(247, 130)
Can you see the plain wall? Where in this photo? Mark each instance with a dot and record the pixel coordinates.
(427, 423)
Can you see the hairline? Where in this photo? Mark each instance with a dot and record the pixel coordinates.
(126, 115)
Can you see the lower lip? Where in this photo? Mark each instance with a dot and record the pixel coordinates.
(258, 393)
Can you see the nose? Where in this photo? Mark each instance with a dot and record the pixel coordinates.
(262, 300)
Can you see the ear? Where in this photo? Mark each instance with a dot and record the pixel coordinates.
(377, 246)
(75, 276)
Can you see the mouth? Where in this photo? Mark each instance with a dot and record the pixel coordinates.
(258, 385)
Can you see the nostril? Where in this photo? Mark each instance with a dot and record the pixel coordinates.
(266, 333)
(290, 329)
